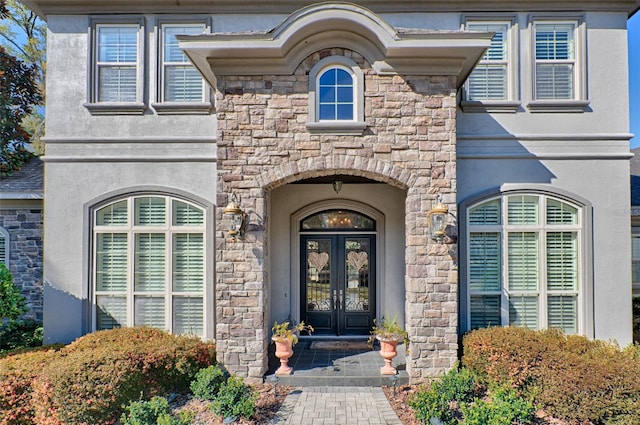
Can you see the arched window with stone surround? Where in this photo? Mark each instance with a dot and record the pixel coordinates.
(336, 96)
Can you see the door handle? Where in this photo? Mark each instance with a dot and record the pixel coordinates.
(341, 299)
(335, 298)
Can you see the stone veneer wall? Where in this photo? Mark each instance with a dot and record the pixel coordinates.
(263, 143)
(25, 251)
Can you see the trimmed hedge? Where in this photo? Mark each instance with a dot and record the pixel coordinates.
(91, 380)
(18, 373)
(571, 377)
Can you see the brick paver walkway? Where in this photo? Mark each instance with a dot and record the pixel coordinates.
(336, 406)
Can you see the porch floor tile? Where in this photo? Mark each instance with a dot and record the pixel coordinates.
(358, 367)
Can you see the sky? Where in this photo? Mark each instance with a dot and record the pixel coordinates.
(633, 26)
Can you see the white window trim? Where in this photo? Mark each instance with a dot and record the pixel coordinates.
(585, 286)
(162, 107)
(512, 103)
(580, 101)
(93, 105)
(4, 234)
(168, 229)
(355, 126)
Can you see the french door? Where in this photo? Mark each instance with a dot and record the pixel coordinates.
(338, 283)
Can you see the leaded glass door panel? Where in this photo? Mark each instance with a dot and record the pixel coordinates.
(338, 283)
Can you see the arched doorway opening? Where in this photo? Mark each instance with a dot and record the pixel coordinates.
(338, 271)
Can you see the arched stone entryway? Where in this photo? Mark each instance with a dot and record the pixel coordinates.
(264, 142)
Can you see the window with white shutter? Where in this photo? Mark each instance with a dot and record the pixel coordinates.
(181, 82)
(635, 263)
(149, 254)
(523, 263)
(558, 65)
(117, 67)
(493, 84)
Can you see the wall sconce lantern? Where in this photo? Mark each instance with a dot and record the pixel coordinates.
(438, 221)
(234, 218)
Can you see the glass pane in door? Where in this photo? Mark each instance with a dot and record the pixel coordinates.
(318, 276)
(357, 253)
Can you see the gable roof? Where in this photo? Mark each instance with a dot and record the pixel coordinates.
(28, 183)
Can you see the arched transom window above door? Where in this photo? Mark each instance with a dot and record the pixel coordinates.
(337, 219)
(336, 97)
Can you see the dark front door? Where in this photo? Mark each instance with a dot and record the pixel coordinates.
(338, 283)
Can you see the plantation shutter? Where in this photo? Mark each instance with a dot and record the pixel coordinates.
(111, 312)
(563, 313)
(488, 81)
(485, 311)
(485, 214)
(561, 213)
(188, 315)
(113, 215)
(188, 262)
(149, 262)
(149, 311)
(111, 262)
(117, 63)
(635, 254)
(186, 214)
(562, 261)
(3, 249)
(150, 211)
(555, 56)
(485, 262)
(523, 261)
(523, 210)
(523, 311)
(182, 83)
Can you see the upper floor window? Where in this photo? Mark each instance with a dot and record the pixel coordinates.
(148, 258)
(117, 68)
(181, 80)
(492, 86)
(559, 72)
(524, 261)
(336, 97)
(4, 247)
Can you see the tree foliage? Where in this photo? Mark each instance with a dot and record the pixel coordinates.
(12, 303)
(18, 94)
(23, 35)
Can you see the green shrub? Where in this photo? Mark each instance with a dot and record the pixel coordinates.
(234, 399)
(207, 382)
(17, 334)
(457, 385)
(153, 412)
(576, 378)
(505, 407)
(94, 377)
(19, 375)
(12, 303)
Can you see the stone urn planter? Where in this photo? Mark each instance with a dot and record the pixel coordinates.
(388, 351)
(389, 333)
(284, 336)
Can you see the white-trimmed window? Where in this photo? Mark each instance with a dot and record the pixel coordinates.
(4, 246)
(559, 72)
(336, 97)
(117, 68)
(493, 84)
(148, 264)
(181, 82)
(524, 263)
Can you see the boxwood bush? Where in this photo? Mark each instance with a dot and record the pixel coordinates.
(91, 380)
(571, 377)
